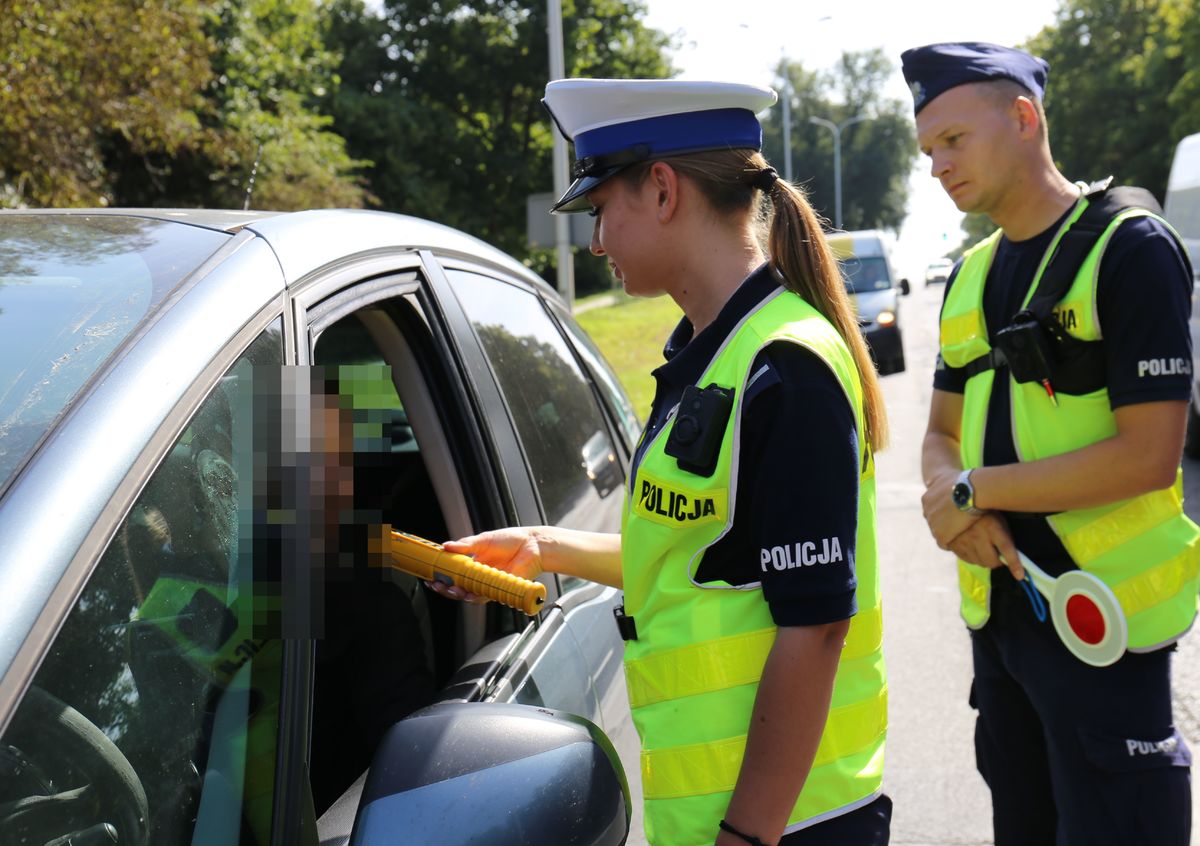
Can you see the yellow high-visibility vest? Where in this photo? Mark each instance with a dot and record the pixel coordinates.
(1144, 548)
(693, 670)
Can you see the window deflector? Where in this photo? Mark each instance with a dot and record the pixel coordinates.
(367, 293)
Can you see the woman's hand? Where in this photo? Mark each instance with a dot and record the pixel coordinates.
(514, 550)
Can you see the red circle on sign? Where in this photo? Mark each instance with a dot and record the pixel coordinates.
(1085, 619)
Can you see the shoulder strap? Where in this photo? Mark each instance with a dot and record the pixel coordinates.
(1104, 204)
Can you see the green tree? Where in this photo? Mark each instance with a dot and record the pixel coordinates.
(877, 153)
(1121, 83)
(115, 102)
(444, 99)
(74, 73)
(1183, 25)
(270, 71)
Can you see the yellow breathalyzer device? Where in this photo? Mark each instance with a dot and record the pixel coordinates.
(430, 561)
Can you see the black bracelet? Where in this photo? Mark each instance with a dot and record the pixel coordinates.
(753, 841)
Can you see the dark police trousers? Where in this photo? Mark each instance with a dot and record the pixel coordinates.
(1074, 754)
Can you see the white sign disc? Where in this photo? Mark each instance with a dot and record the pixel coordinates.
(1088, 618)
(1085, 612)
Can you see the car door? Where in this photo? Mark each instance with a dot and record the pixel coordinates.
(562, 403)
(425, 446)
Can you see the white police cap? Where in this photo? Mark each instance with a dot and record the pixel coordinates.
(617, 122)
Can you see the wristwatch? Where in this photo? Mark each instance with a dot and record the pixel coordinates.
(964, 495)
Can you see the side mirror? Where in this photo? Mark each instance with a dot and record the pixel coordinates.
(505, 775)
(904, 289)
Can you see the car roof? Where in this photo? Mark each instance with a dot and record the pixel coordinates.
(297, 238)
(863, 243)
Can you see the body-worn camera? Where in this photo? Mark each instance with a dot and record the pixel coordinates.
(1026, 346)
(695, 439)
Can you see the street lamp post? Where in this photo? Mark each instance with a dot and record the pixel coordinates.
(562, 224)
(787, 127)
(836, 129)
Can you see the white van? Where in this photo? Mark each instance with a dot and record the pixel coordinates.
(1183, 196)
(1182, 210)
(866, 265)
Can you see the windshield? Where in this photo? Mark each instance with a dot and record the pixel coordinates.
(72, 288)
(865, 274)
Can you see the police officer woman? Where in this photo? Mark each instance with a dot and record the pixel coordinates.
(747, 553)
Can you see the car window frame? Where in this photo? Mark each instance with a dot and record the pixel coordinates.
(546, 303)
(351, 286)
(525, 506)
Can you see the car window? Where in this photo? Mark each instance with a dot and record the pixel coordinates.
(865, 274)
(561, 426)
(72, 288)
(388, 644)
(615, 396)
(153, 718)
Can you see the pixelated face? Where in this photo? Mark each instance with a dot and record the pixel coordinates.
(332, 447)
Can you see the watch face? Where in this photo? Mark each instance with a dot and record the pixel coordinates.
(961, 494)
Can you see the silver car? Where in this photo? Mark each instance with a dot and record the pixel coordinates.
(205, 417)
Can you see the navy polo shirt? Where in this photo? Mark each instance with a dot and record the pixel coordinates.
(1143, 303)
(797, 478)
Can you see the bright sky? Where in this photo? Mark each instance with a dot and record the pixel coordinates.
(742, 40)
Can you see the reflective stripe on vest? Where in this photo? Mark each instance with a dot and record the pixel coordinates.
(1144, 548)
(729, 661)
(693, 672)
(704, 768)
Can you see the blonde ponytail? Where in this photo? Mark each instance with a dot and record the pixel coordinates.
(798, 250)
(730, 181)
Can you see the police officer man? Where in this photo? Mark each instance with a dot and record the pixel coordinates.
(1076, 467)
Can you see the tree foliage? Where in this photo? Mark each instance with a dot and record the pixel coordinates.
(877, 154)
(270, 69)
(131, 102)
(73, 74)
(446, 102)
(1118, 81)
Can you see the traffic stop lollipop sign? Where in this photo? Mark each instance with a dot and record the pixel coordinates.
(1085, 613)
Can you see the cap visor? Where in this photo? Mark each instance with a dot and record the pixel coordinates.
(575, 199)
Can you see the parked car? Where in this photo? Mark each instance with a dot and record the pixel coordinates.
(875, 289)
(1182, 209)
(938, 271)
(192, 649)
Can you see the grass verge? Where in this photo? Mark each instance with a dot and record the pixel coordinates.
(631, 334)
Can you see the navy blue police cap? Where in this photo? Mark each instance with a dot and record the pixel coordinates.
(936, 68)
(615, 123)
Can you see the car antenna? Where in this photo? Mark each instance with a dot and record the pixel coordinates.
(253, 172)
